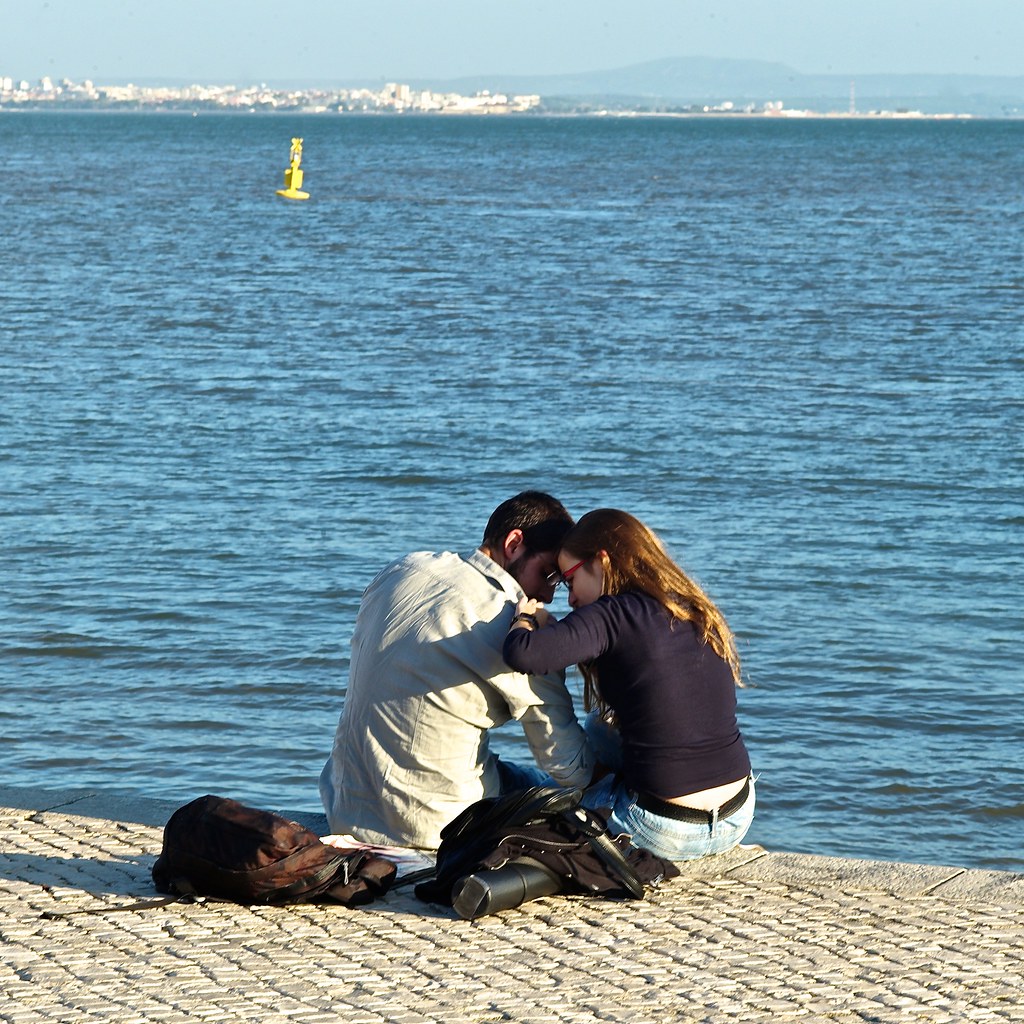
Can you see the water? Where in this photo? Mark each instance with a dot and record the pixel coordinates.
(793, 348)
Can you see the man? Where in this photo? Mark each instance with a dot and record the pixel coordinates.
(427, 681)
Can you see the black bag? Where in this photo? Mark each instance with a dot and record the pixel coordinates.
(544, 826)
(218, 847)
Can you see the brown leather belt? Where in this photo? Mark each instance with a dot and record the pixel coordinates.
(693, 814)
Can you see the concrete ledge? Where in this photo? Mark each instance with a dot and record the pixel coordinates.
(90, 803)
(752, 864)
(142, 810)
(748, 863)
(748, 937)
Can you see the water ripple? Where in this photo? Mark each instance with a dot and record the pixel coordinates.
(764, 339)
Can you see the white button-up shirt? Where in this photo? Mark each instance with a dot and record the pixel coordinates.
(426, 683)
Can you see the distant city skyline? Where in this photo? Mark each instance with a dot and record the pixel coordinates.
(319, 40)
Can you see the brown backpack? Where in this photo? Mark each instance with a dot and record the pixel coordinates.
(217, 847)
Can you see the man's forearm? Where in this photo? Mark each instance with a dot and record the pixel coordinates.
(559, 745)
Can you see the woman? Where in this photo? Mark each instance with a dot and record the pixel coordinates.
(660, 667)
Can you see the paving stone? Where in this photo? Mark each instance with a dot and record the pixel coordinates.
(749, 936)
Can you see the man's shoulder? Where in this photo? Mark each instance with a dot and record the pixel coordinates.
(440, 564)
(419, 561)
(470, 573)
(460, 567)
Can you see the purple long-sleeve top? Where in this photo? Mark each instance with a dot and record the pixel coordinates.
(674, 698)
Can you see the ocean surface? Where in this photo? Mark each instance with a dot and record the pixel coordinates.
(795, 349)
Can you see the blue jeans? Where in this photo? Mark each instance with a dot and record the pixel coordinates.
(512, 776)
(665, 837)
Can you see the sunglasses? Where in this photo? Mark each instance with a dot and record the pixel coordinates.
(563, 579)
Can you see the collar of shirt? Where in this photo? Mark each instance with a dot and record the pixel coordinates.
(494, 573)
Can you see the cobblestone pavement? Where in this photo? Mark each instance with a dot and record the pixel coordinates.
(753, 937)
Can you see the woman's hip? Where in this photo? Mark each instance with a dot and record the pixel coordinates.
(669, 834)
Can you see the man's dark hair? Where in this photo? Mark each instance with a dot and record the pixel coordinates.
(543, 520)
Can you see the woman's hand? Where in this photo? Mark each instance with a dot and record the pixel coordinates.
(531, 606)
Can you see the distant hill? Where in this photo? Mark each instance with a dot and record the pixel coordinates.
(706, 80)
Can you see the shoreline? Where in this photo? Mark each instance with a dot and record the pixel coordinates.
(154, 812)
(783, 115)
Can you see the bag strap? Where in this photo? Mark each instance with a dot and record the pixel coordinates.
(56, 915)
(607, 852)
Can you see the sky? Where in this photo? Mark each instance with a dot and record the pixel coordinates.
(336, 41)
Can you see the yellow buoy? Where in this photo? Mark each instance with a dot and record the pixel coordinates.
(293, 175)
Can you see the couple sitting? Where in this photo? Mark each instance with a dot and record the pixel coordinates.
(447, 647)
